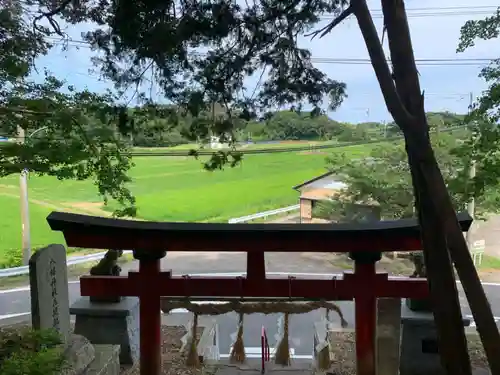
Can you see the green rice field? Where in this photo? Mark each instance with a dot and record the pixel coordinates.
(167, 189)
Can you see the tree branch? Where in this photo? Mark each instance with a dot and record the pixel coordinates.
(50, 14)
(9, 110)
(379, 63)
(328, 28)
(402, 58)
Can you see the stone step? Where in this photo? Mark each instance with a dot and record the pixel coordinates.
(106, 361)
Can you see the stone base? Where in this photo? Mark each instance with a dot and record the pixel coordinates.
(106, 361)
(79, 353)
(419, 350)
(110, 323)
(423, 305)
(83, 358)
(106, 299)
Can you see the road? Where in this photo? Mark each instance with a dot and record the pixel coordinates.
(17, 301)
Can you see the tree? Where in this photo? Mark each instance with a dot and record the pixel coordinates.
(296, 125)
(485, 112)
(436, 121)
(243, 41)
(488, 104)
(78, 140)
(384, 178)
(260, 38)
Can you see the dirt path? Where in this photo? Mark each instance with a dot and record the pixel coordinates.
(76, 207)
(289, 219)
(87, 207)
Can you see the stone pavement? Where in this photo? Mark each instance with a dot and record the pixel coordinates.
(253, 367)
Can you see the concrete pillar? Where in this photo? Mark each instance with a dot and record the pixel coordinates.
(305, 210)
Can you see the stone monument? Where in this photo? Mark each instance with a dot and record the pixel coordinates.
(50, 310)
(109, 320)
(49, 290)
(419, 347)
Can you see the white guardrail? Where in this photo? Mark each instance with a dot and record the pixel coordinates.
(261, 215)
(23, 270)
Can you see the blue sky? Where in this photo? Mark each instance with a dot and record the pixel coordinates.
(436, 37)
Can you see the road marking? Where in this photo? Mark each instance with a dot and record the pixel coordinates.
(27, 288)
(473, 323)
(256, 352)
(182, 310)
(234, 274)
(7, 316)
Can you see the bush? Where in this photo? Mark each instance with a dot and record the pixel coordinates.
(27, 351)
(11, 258)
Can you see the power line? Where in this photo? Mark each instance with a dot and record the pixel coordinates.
(431, 12)
(466, 7)
(464, 13)
(332, 60)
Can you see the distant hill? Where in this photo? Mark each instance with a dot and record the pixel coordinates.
(436, 120)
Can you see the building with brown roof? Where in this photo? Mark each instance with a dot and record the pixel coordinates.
(320, 188)
(326, 187)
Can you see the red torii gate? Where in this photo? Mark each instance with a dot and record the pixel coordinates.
(151, 240)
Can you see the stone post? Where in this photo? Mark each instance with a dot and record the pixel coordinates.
(388, 335)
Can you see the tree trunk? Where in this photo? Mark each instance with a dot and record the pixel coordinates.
(431, 179)
(437, 217)
(467, 273)
(443, 289)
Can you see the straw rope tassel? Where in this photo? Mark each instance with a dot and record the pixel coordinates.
(323, 356)
(238, 351)
(282, 356)
(192, 359)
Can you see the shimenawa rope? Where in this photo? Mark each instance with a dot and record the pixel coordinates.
(237, 354)
(253, 307)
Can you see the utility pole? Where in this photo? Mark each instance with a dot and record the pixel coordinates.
(25, 214)
(384, 124)
(23, 195)
(471, 205)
